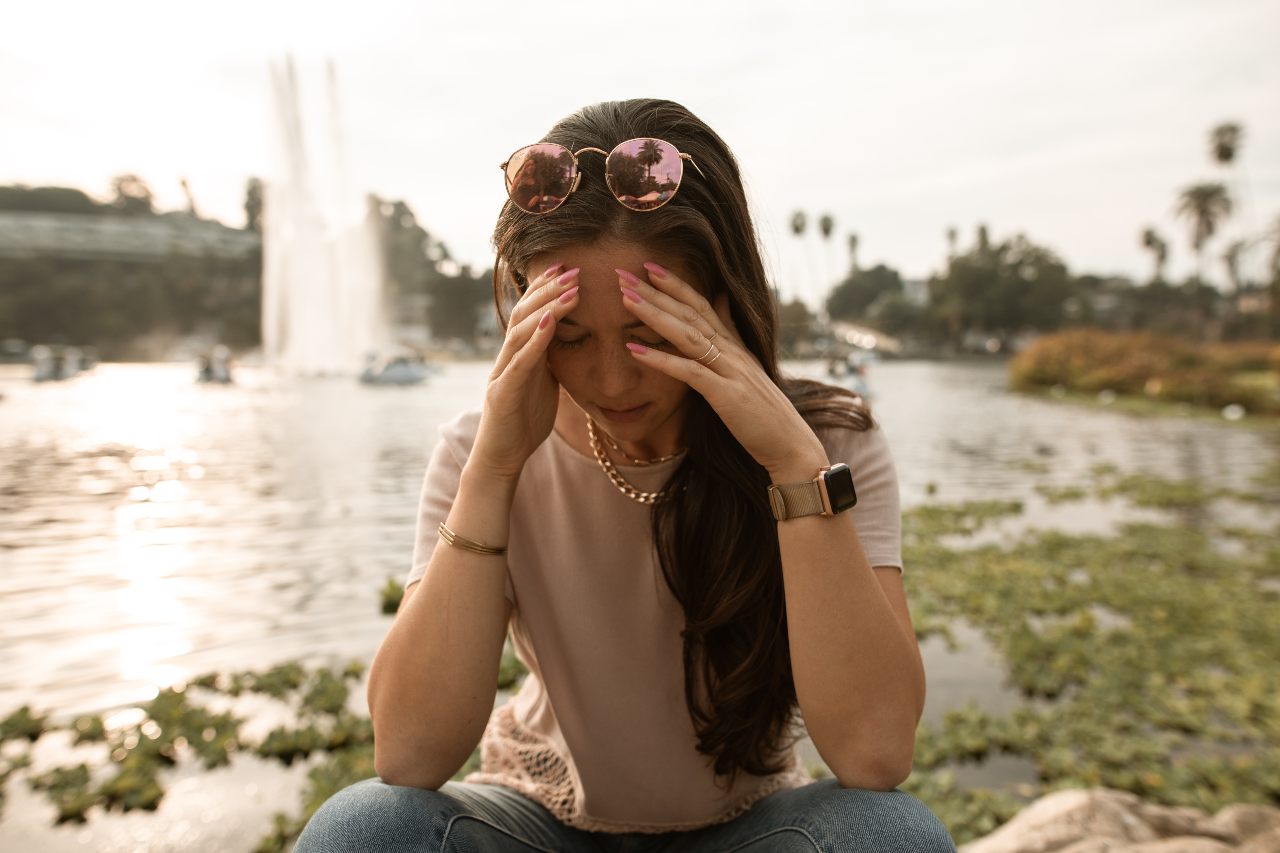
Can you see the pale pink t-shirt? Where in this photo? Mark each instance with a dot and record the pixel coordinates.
(599, 732)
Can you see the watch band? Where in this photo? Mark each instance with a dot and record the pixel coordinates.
(795, 499)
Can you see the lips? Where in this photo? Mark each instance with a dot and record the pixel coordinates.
(627, 415)
(626, 411)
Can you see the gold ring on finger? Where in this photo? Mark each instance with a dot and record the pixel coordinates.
(713, 359)
(713, 335)
(710, 347)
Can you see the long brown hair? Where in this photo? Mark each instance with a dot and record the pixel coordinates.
(716, 538)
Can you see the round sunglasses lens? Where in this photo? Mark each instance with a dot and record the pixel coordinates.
(644, 173)
(540, 176)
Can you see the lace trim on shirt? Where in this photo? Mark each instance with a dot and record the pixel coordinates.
(516, 758)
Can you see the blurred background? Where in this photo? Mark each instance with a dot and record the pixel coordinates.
(245, 273)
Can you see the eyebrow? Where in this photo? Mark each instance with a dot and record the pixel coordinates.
(568, 321)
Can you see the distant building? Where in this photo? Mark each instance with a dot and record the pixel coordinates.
(133, 238)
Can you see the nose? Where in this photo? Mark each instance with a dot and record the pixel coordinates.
(615, 374)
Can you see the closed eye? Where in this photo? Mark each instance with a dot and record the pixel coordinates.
(577, 342)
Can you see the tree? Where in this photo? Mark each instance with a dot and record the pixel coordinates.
(1159, 250)
(132, 195)
(851, 299)
(953, 237)
(253, 204)
(1225, 141)
(1231, 262)
(1001, 290)
(650, 155)
(853, 252)
(1204, 205)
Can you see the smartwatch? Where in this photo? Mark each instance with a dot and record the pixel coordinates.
(829, 493)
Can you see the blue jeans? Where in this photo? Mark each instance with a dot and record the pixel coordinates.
(374, 817)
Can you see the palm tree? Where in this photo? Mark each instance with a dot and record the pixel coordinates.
(1159, 249)
(826, 224)
(650, 155)
(798, 223)
(1205, 205)
(1231, 260)
(1224, 142)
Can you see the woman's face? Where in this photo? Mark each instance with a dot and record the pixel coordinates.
(588, 356)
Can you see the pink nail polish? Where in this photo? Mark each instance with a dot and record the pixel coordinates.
(567, 296)
(629, 278)
(567, 277)
(632, 295)
(551, 270)
(638, 349)
(655, 269)
(546, 318)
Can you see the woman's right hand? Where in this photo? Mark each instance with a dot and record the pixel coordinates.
(522, 396)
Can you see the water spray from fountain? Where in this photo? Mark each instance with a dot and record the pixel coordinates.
(323, 295)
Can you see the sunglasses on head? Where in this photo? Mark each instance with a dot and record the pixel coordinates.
(642, 173)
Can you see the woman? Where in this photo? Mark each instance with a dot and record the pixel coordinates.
(659, 517)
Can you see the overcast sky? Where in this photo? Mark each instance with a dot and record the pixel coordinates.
(1074, 122)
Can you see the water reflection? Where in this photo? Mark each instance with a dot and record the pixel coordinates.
(152, 529)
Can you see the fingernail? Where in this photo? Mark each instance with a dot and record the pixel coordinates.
(546, 318)
(632, 295)
(628, 277)
(551, 270)
(638, 349)
(567, 277)
(567, 296)
(655, 269)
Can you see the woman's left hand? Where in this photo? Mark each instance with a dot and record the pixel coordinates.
(754, 409)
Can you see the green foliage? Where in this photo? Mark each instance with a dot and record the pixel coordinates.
(49, 200)
(860, 290)
(1146, 658)
(1151, 366)
(795, 326)
(1002, 289)
(22, 723)
(392, 594)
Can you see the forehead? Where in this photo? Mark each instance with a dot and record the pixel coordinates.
(600, 300)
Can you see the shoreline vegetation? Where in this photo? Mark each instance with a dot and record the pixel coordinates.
(1147, 373)
(1145, 661)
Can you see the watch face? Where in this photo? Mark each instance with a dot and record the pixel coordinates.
(839, 482)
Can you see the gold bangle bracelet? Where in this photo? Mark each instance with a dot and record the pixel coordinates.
(467, 544)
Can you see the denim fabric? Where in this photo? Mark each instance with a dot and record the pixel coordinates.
(374, 817)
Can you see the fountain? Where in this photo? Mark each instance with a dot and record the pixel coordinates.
(323, 296)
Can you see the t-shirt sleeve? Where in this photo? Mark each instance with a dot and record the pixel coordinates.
(439, 488)
(877, 516)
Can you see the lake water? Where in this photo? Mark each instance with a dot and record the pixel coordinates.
(152, 529)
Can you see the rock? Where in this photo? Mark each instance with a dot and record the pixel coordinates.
(1100, 820)
(1063, 818)
(1242, 821)
(1170, 821)
(1267, 842)
(1183, 844)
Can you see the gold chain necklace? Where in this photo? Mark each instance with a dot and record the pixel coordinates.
(615, 476)
(634, 461)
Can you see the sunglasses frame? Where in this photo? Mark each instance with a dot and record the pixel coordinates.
(577, 173)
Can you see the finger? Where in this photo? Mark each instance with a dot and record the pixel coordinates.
(726, 316)
(681, 329)
(530, 355)
(551, 283)
(518, 334)
(672, 285)
(688, 371)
